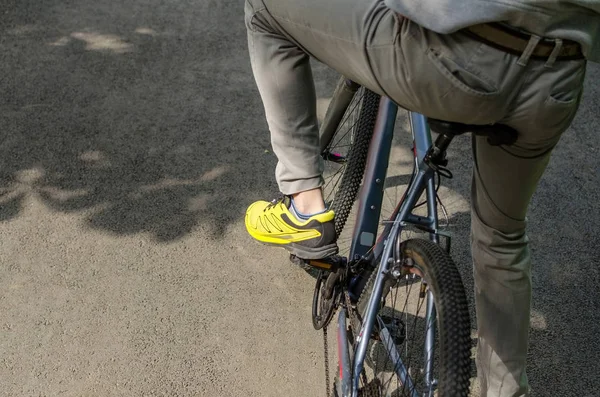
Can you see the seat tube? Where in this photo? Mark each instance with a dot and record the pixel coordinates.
(421, 135)
(423, 142)
(432, 209)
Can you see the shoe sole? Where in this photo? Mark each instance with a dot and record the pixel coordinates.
(307, 252)
(312, 253)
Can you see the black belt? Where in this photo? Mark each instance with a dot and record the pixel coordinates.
(514, 41)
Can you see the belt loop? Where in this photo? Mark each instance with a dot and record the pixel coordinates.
(533, 42)
(557, 47)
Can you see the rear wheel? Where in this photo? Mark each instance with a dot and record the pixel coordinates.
(427, 276)
(346, 134)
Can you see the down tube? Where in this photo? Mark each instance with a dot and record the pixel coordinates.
(371, 194)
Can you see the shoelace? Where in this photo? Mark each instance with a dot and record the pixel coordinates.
(274, 203)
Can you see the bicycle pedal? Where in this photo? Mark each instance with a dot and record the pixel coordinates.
(330, 264)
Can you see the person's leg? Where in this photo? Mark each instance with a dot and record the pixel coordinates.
(284, 79)
(504, 180)
(282, 35)
(502, 266)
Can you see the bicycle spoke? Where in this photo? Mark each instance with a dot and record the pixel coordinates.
(414, 330)
(392, 205)
(351, 128)
(346, 117)
(337, 183)
(408, 292)
(388, 358)
(331, 178)
(340, 146)
(357, 100)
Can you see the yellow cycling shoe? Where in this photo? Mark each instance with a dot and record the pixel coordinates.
(272, 223)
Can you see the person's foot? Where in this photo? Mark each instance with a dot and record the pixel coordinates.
(276, 223)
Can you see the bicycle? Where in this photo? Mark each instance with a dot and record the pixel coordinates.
(365, 282)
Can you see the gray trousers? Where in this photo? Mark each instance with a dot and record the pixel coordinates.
(449, 77)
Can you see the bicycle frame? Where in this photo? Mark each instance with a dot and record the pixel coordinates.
(363, 243)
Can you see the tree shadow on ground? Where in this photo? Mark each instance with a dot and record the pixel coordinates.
(140, 115)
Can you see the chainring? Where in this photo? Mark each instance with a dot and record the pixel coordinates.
(326, 298)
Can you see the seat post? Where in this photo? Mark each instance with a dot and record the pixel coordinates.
(443, 141)
(436, 156)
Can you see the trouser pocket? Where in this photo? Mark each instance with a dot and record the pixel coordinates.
(449, 77)
(464, 93)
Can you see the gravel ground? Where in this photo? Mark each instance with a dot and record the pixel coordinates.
(132, 138)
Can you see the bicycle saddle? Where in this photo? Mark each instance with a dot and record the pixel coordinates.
(497, 134)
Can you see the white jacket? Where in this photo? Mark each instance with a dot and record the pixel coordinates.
(577, 20)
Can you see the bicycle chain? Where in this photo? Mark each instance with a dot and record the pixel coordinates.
(326, 346)
(326, 351)
(353, 324)
(351, 313)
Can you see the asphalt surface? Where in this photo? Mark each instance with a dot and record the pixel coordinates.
(132, 138)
